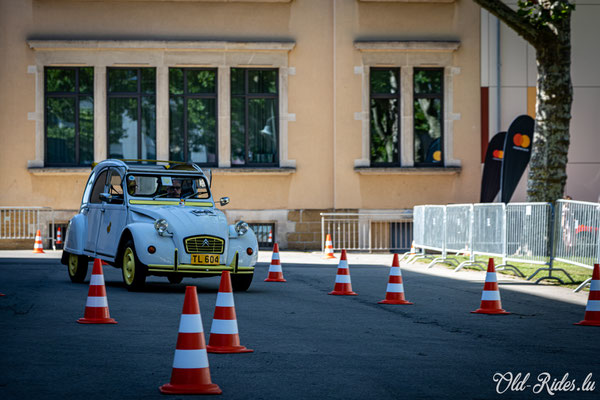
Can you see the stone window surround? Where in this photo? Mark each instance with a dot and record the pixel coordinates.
(161, 55)
(407, 55)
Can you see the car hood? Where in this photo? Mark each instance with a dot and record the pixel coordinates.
(186, 221)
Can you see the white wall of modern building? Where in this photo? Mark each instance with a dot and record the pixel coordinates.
(508, 62)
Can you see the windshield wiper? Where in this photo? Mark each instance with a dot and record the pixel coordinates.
(189, 196)
(159, 195)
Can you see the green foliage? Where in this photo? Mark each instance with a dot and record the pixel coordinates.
(545, 13)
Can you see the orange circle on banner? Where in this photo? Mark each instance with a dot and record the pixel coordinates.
(437, 155)
(500, 154)
(517, 139)
(525, 141)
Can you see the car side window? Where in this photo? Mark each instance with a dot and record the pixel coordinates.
(98, 187)
(116, 183)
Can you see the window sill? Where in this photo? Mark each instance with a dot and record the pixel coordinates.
(60, 171)
(254, 171)
(408, 170)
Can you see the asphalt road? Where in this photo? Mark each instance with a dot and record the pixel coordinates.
(307, 345)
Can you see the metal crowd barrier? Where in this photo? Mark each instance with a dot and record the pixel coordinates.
(528, 233)
(577, 234)
(391, 231)
(23, 223)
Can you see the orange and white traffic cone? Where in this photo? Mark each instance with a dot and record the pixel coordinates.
(96, 307)
(413, 250)
(38, 247)
(328, 247)
(592, 310)
(343, 286)
(191, 374)
(270, 238)
(490, 297)
(395, 288)
(224, 336)
(275, 272)
(58, 236)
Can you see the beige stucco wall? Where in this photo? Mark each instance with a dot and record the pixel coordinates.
(325, 93)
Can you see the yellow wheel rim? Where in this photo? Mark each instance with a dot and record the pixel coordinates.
(128, 266)
(73, 264)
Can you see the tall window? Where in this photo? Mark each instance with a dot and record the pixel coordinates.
(69, 116)
(428, 116)
(254, 117)
(132, 113)
(193, 115)
(385, 116)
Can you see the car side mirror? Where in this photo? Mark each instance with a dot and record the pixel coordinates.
(224, 201)
(110, 199)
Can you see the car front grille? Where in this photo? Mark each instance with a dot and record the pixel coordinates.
(204, 245)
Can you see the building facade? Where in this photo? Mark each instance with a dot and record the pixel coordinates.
(296, 106)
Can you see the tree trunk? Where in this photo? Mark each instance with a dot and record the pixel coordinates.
(547, 168)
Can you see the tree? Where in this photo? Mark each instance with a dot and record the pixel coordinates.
(546, 25)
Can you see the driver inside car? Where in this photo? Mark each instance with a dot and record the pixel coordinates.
(175, 189)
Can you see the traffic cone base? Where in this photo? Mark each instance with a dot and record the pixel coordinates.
(275, 272)
(224, 335)
(96, 306)
(394, 293)
(592, 309)
(490, 297)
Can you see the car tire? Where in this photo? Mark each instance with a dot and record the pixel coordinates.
(241, 282)
(175, 279)
(134, 272)
(77, 266)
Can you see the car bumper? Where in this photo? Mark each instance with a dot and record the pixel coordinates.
(194, 269)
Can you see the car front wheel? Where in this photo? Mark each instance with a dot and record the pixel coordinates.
(241, 282)
(77, 267)
(134, 272)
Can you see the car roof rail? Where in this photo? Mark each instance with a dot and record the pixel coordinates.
(173, 165)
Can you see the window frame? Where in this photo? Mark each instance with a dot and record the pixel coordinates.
(249, 96)
(138, 95)
(77, 96)
(397, 96)
(186, 95)
(439, 96)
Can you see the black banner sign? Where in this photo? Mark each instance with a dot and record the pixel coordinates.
(492, 168)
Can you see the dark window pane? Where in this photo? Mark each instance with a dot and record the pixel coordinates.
(122, 80)
(384, 131)
(262, 130)
(122, 127)
(176, 147)
(238, 131)
(60, 131)
(60, 80)
(175, 80)
(261, 81)
(99, 187)
(237, 81)
(148, 80)
(202, 145)
(86, 130)
(148, 128)
(86, 80)
(201, 81)
(428, 130)
(384, 81)
(428, 81)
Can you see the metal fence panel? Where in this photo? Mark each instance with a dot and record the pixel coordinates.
(577, 233)
(488, 229)
(433, 237)
(458, 227)
(528, 230)
(419, 226)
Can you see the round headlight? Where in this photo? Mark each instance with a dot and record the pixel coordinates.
(161, 226)
(241, 228)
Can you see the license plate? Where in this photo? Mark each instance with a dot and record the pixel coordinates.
(205, 259)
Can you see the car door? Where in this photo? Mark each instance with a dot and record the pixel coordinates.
(94, 212)
(113, 215)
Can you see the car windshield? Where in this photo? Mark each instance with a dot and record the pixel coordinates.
(167, 186)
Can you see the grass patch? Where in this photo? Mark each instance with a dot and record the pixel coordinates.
(579, 274)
